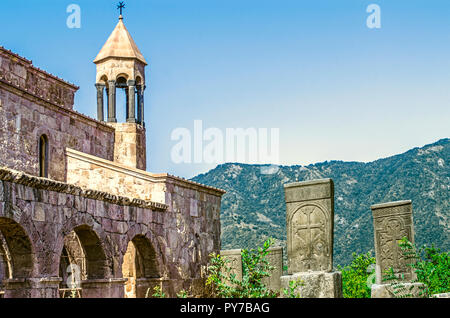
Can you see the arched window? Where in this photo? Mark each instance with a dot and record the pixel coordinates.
(43, 156)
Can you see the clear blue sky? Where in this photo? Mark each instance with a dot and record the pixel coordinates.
(336, 89)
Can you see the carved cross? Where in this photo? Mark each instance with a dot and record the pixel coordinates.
(309, 237)
(394, 233)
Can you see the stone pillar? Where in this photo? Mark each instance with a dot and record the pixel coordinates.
(141, 105)
(139, 101)
(46, 287)
(275, 258)
(310, 225)
(131, 113)
(104, 288)
(130, 145)
(100, 104)
(235, 261)
(392, 221)
(112, 102)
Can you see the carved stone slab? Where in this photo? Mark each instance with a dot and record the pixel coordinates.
(310, 222)
(392, 221)
(275, 258)
(235, 258)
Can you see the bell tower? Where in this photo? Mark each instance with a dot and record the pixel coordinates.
(120, 65)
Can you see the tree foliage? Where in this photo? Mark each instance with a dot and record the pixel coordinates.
(222, 282)
(357, 277)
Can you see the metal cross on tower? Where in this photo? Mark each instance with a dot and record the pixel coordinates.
(121, 6)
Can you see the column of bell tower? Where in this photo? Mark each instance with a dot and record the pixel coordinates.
(120, 65)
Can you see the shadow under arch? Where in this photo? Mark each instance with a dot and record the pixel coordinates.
(79, 244)
(83, 247)
(140, 266)
(16, 248)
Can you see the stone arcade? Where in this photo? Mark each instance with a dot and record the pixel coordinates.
(74, 190)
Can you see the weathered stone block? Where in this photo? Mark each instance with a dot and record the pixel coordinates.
(68, 212)
(310, 222)
(19, 191)
(91, 206)
(29, 194)
(53, 197)
(42, 196)
(413, 290)
(100, 209)
(275, 258)
(234, 258)
(126, 213)
(80, 203)
(107, 225)
(315, 284)
(39, 212)
(392, 222)
(310, 225)
(193, 208)
(104, 288)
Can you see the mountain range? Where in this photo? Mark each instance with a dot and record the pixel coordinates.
(253, 209)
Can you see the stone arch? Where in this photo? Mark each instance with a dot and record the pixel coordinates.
(72, 254)
(5, 262)
(145, 261)
(18, 245)
(122, 78)
(139, 79)
(141, 263)
(96, 260)
(118, 72)
(95, 245)
(103, 79)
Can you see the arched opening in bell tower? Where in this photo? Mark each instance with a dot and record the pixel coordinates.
(122, 99)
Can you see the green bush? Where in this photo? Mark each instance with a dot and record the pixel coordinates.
(431, 266)
(434, 270)
(222, 282)
(255, 267)
(355, 276)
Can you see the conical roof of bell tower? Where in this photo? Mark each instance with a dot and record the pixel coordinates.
(120, 44)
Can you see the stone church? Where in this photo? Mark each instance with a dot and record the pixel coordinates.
(79, 213)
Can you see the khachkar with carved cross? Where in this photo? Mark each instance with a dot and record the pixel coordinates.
(310, 222)
(392, 222)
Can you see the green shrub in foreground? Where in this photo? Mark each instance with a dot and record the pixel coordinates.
(431, 267)
(356, 275)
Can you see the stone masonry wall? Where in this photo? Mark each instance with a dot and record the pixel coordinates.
(129, 147)
(36, 214)
(33, 103)
(20, 73)
(96, 173)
